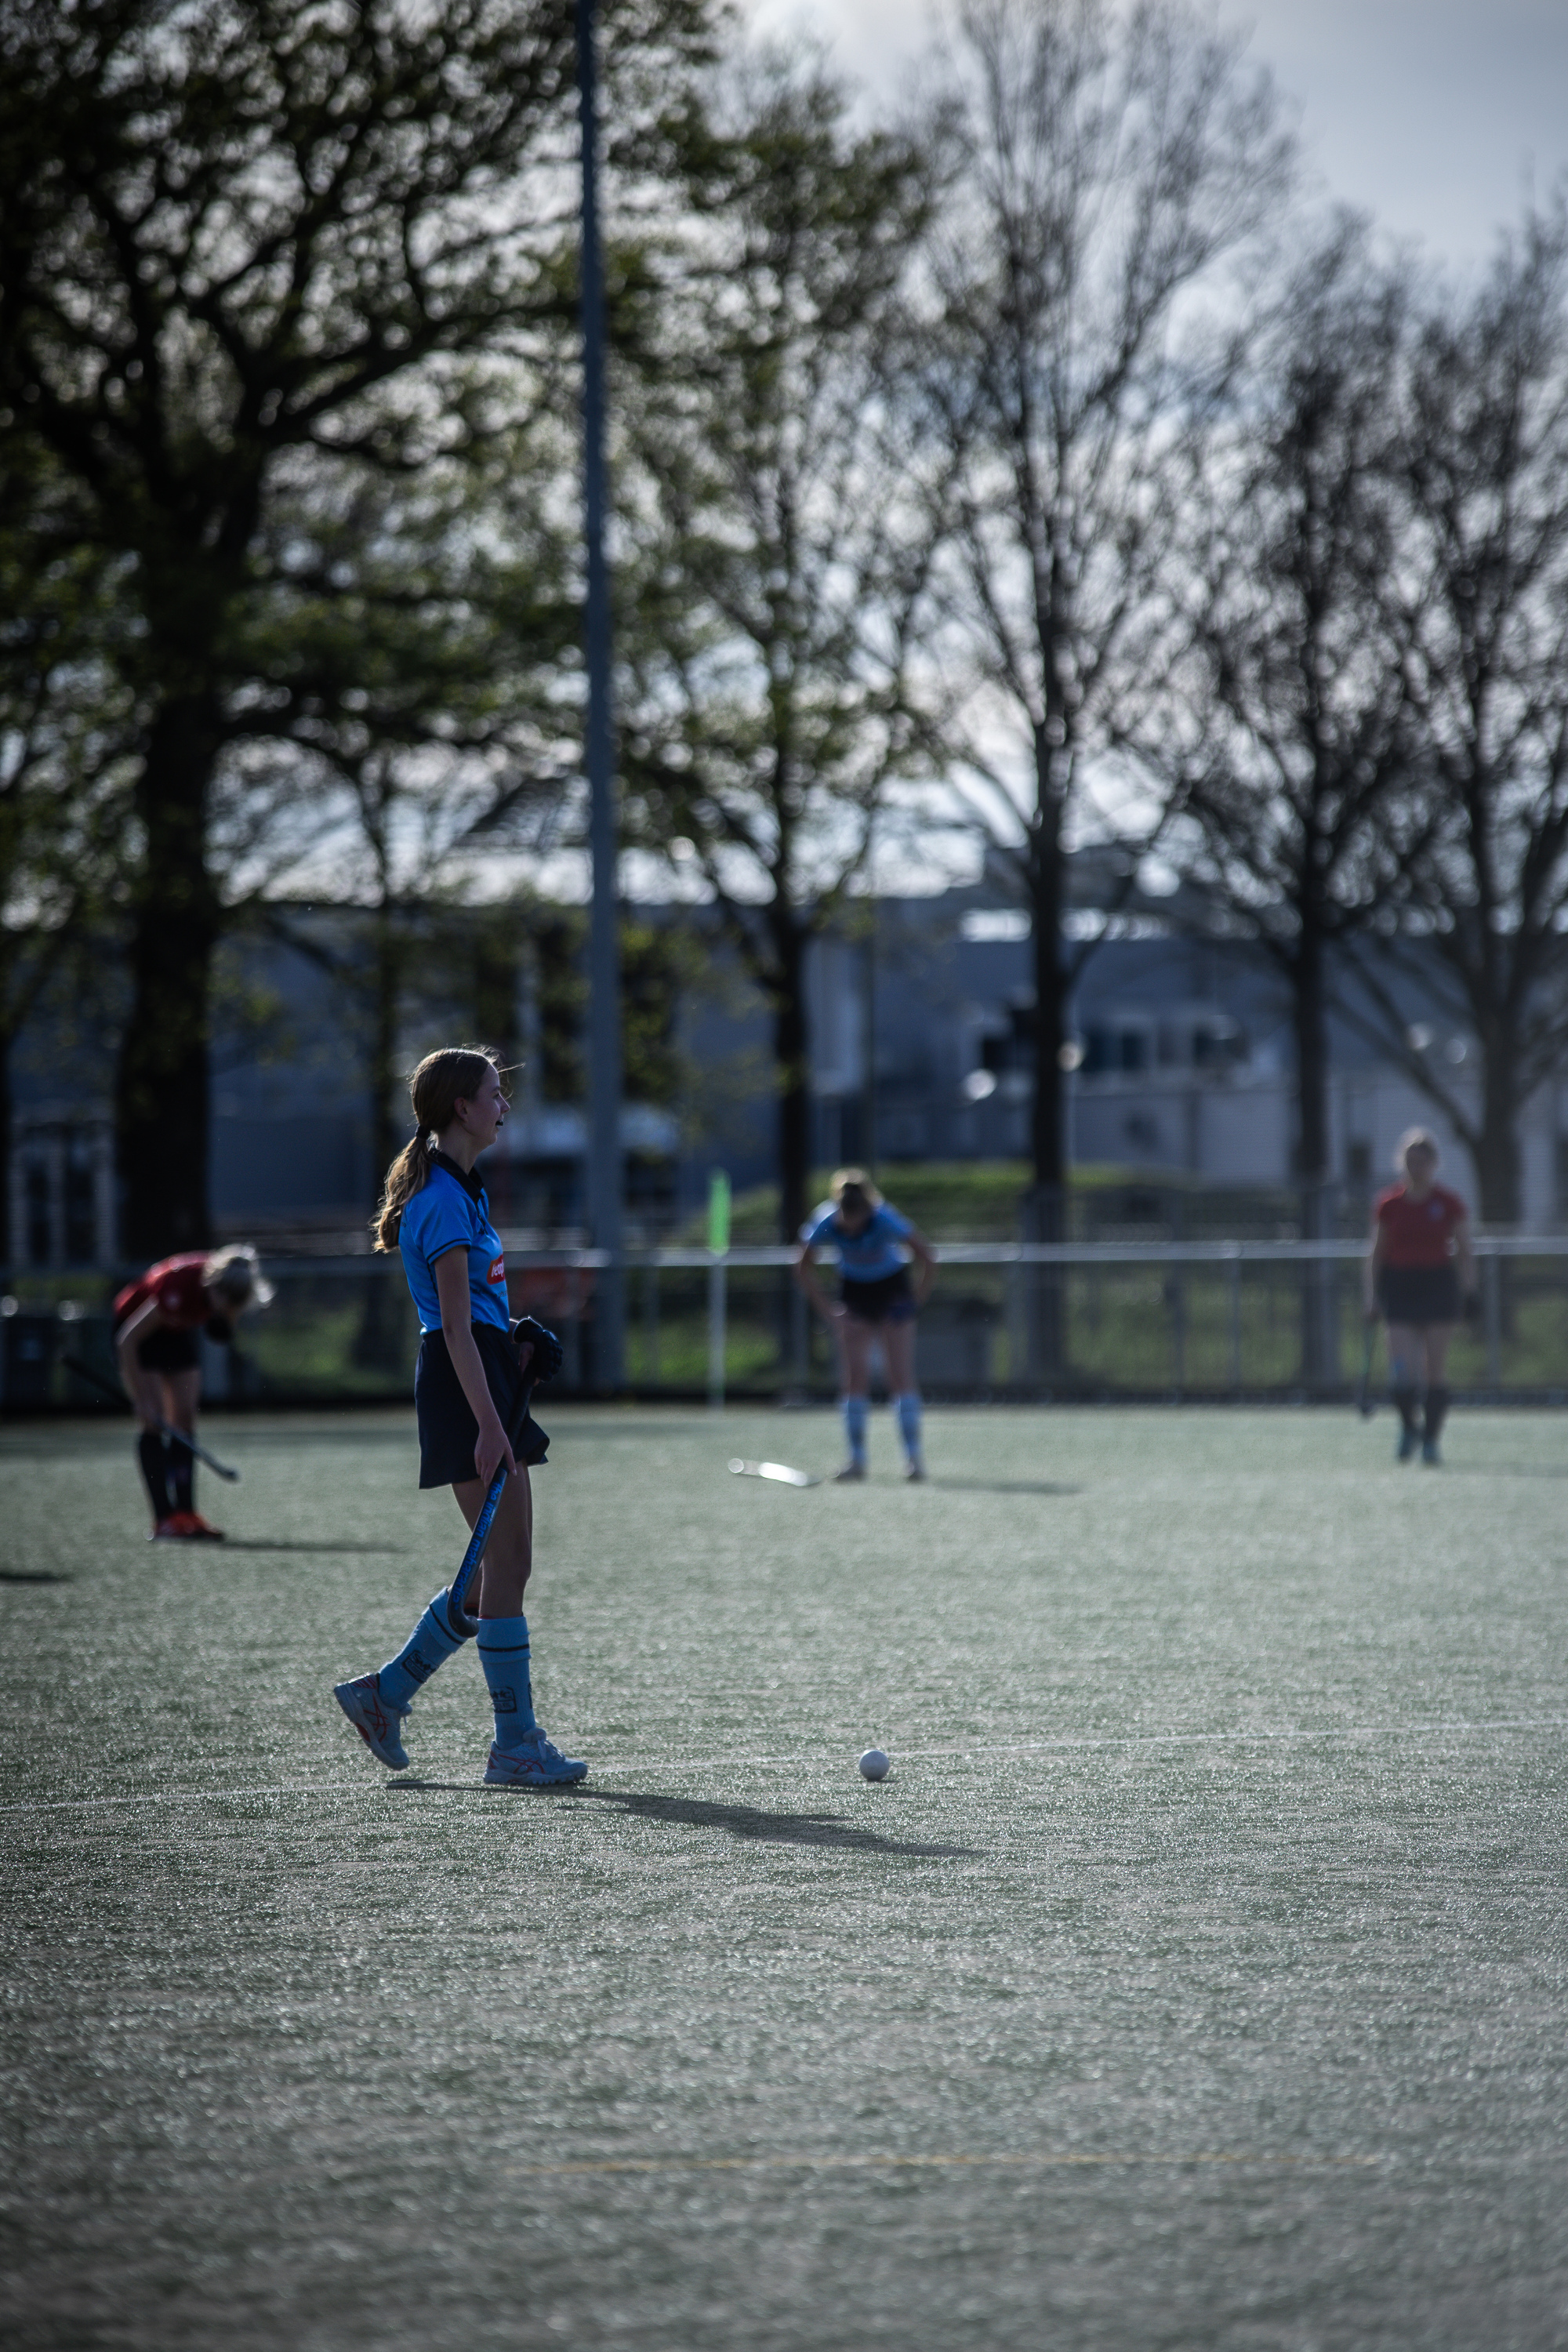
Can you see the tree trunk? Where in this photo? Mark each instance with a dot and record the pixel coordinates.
(7, 1110)
(1499, 1173)
(793, 1060)
(162, 1083)
(1308, 1006)
(1310, 1019)
(379, 1339)
(386, 1122)
(1046, 882)
(1045, 1211)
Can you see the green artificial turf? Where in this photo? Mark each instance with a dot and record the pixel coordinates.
(1196, 1979)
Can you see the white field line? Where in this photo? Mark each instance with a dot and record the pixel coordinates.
(1039, 2161)
(957, 1751)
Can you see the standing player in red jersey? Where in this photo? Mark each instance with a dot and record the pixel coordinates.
(156, 1322)
(1419, 1265)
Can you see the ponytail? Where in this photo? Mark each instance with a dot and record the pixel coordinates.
(442, 1080)
(409, 1173)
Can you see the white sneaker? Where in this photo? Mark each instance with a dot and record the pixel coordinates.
(914, 1468)
(374, 1718)
(533, 1763)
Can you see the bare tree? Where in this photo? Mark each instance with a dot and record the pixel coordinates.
(772, 584)
(1304, 641)
(1108, 166)
(1481, 920)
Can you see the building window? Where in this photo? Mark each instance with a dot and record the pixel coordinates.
(60, 1192)
(80, 1203)
(36, 1194)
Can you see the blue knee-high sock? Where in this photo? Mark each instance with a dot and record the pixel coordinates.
(504, 1653)
(431, 1643)
(907, 1408)
(856, 1421)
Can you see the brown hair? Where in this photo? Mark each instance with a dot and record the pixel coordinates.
(442, 1080)
(852, 1189)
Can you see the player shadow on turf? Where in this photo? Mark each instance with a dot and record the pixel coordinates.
(741, 1820)
(1506, 1469)
(1003, 1486)
(265, 1543)
(776, 1829)
(33, 1576)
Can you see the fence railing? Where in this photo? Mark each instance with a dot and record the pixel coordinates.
(1158, 1319)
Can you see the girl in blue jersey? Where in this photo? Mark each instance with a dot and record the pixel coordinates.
(467, 1386)
(877, 1301)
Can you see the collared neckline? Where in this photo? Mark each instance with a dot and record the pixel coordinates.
(468, 1178)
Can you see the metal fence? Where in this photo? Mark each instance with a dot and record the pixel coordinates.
(1169, 1321)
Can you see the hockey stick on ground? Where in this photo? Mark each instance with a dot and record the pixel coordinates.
(1364, 1404)
(779, 1471)
(486, 1519)
(166, 1428)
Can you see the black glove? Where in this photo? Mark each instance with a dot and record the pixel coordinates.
(548, 1353)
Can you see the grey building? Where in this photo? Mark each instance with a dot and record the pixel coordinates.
(920, 1024)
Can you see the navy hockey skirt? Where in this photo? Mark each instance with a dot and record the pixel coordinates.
(448, 1429)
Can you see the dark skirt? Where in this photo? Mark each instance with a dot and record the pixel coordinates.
(164, 1351)
(1419, 1294)
(448, 1429)
(889, 1299)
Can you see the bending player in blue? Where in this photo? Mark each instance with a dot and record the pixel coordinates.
(877, 1301)
(468, 1390)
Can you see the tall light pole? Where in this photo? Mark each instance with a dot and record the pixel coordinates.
(604, 947)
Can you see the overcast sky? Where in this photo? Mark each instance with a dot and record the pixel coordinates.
(1427, 113)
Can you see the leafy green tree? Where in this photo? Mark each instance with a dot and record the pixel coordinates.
(67, 738)
(772, 569)
(249, 247)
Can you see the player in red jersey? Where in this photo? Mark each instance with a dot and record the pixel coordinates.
(156, 1322)
(1419, 1264)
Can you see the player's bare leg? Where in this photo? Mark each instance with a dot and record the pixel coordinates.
(1435, 1354)
(856, 1339)
(898, 1337)
(503, 1573)
(1407, 1381)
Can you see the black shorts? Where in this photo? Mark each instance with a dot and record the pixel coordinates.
(448, 1429)
(164, 1351)
(889, 1299)
(1419, 1294)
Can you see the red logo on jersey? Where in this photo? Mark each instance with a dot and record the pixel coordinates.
(498, 1269)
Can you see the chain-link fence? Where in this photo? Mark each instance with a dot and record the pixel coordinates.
(1200, 1320)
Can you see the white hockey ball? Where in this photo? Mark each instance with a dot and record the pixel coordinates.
(875, 1762)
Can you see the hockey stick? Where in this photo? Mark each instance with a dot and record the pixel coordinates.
(486, 1519)
(1364, 1402)
(780, 1471)
(166, 1428)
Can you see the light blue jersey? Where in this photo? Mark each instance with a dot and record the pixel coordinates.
(872, 1253)
(443, 1217)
